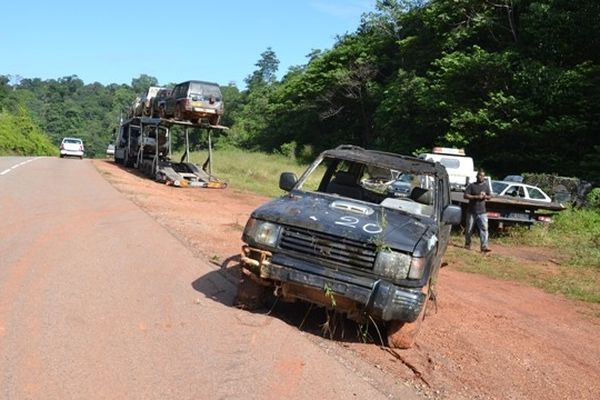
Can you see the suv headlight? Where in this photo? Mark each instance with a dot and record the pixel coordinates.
(392, 265)
(262, 232)
(398, 266)
(417, 267)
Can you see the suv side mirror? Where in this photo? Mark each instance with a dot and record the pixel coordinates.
(452, 215)
(287, 181)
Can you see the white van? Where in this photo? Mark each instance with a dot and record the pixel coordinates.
(460, 168)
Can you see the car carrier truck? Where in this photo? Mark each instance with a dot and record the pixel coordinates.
(145, 143)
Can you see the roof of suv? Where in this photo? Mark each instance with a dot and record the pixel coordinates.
(200, 82)
(387, 160)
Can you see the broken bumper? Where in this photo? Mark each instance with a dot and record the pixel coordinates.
(376, 297)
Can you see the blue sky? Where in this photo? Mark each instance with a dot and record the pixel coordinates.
(114, 41)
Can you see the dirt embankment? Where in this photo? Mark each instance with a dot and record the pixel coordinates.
(487, 339)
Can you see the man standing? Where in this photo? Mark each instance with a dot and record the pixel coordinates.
(477, 193)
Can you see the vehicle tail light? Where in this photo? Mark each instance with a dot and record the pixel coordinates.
(493, 214)
(62, 146)
(81, 147)
(449, 151)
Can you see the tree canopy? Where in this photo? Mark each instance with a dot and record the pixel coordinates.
(514, 82)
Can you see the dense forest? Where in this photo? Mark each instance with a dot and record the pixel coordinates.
(514, 82)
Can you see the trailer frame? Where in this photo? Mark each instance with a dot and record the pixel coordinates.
(137, 135)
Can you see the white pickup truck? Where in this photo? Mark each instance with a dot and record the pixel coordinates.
(460, 168)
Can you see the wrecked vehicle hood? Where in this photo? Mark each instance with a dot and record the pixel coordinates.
(342, 217)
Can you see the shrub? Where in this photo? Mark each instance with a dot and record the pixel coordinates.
(593, 199)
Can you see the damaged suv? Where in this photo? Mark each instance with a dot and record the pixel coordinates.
(342, 239)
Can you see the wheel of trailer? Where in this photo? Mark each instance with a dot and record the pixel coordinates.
(153, 168)
(126, 158)
(401, 334)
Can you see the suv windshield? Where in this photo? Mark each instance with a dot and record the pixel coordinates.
(393, 189)
(206, 91)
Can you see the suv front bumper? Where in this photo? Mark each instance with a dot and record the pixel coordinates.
(376, 297)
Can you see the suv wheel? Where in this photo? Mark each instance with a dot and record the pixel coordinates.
(402, 334)
(178, 113)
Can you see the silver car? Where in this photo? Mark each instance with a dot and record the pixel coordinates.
(71, 147)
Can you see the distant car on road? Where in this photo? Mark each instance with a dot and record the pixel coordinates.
(71, 147)
(520, 191)
(110, 150)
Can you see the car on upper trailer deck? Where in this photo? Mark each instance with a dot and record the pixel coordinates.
(194, 101)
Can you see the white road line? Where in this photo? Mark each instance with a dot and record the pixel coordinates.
(6, 171)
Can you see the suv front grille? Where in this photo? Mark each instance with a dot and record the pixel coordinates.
(328, 248)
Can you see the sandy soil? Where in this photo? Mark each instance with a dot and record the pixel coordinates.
(486, 339)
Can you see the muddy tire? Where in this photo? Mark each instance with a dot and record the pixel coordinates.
(178, 113)
(250, 295)
(161, 112)
(401, 334)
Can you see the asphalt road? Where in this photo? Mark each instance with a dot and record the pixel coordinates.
(96, 301)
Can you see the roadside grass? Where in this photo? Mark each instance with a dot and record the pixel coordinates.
(249, 171)
(574, 237)
(574, 233)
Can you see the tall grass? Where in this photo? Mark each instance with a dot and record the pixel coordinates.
(576, 233)
(249, 171)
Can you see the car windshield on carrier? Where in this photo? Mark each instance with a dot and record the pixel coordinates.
(205, 90)
(390, 188)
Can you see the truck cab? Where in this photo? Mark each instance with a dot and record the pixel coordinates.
(461, 169)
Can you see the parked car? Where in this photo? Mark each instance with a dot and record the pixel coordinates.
(513, 178)
(519, 190)
(71, 147)
(135, 107)
(194, 101)
(158, 102)
(145, 106)
(401, 186)
(110, 150)
(359, 249)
